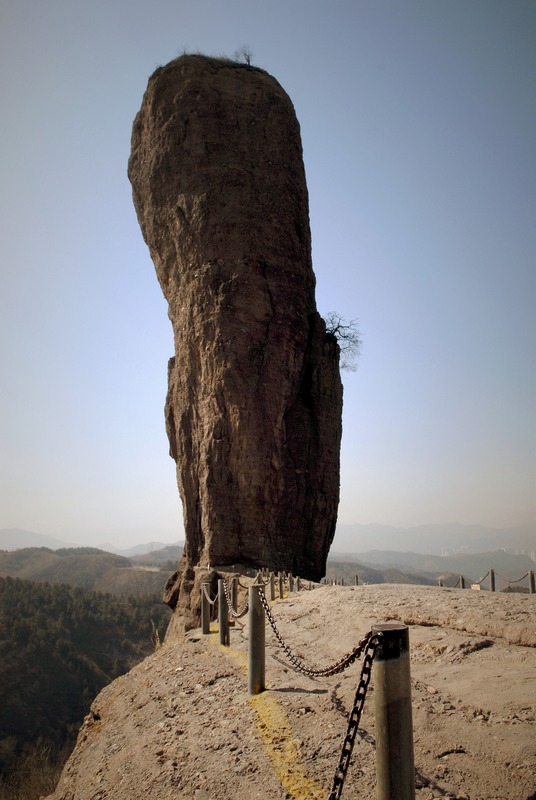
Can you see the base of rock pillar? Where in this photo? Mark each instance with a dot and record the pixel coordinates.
(183, 594)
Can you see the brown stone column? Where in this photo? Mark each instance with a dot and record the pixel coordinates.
(254, 403)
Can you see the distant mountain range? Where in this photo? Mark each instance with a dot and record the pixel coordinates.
(146, 569)
(86, 568)
(474, 563)
(17, 538)
(448, 539)
(139, 549)
(400, 567)
(440, 540)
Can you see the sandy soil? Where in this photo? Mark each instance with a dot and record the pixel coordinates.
(182, 725)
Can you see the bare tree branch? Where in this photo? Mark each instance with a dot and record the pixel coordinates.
(348, 337)
(244, 55)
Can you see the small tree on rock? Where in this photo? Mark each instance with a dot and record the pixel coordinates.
(244, 55)
(348, 337)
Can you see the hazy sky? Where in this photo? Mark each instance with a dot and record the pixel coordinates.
(418, 122)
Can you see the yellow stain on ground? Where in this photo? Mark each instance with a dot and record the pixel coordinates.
(239, 656)
(276, 734)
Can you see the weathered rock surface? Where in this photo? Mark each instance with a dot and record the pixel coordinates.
(254, 404)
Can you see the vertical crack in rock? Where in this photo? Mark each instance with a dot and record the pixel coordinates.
(253, 412)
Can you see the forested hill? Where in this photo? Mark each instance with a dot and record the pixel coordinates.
(87, 568)
(59, 646)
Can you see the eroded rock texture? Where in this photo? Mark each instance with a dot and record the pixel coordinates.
(253, 411)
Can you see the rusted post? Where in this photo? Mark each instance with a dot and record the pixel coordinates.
(492, 580)
(532, 588)
(205, 607)
(234, 593)
(356, 579)
(272, 586)
(223, 615)
(256, 644)
(394, 728)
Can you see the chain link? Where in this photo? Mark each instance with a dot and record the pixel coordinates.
(235, 614)
(371, 644)
(478, 583)
(208, 596)
(300, 665)
(368, 645)
(509, 582)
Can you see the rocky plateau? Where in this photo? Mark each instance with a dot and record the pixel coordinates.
(182, 725)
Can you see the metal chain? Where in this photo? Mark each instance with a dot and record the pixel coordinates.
(300, 665)
(355, 716)
(516, 581)
(477, 583)
(208, 596)
(235, 614)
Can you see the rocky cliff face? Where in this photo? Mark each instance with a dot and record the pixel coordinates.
(254, 405)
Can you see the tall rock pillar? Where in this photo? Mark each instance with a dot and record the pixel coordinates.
(254, 403)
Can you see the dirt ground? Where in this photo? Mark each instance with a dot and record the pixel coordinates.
(182, 725)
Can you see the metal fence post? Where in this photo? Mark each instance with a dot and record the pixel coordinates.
(272, 586)
(532, 589)
(223, 615)
(394, 729)
(492, 580)
(205, 607)
(356, 579)
(462, 582)
(256, 645)
(234, 593)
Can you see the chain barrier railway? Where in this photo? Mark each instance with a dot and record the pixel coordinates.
(463, 582)
(387, 642)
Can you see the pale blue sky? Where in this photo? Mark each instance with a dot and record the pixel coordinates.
(418, 123)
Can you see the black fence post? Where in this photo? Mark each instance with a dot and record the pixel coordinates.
(223, 615)
(205, 608)
(394, 728)
(257, 642)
